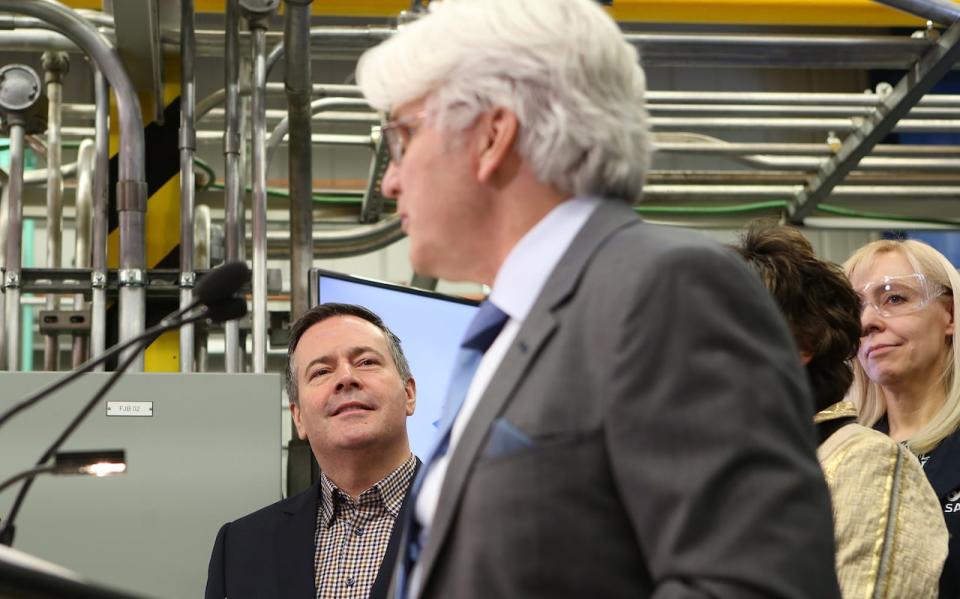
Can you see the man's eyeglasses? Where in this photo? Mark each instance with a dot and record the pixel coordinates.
(398, 133)
(900, 294)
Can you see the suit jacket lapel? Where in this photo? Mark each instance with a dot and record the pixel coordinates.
(294, 547)
(610, 216)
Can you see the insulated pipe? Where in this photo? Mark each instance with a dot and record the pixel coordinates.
(231, 156)
(11, 277)
(131, 186)
(188, 145)
(98, 276)
(55, 66)
(298, 79)
(258, 28)
(87, 161)
(944, 13)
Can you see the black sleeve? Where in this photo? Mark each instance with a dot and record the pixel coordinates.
(216, 584)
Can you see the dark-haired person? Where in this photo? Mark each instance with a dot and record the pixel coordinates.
(350, 392)
(891, 540)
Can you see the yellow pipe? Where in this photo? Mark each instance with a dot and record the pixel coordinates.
(857, 13)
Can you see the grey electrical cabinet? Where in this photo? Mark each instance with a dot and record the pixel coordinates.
(201, 449)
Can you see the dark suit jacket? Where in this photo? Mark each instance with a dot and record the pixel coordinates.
(647, 434)
(269, 553)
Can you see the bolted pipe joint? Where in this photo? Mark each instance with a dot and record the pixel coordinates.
(21, 100)
(55, 66)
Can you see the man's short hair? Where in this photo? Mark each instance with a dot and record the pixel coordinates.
(322, 312)
(816, 299)
(562, 66)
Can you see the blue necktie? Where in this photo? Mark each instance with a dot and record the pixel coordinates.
(483, 330)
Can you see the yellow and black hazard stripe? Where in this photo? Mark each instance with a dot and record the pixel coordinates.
(162, 228)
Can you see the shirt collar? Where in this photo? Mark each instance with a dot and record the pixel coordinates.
(388, 492)
(528, 265)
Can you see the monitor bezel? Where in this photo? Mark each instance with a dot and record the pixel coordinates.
(316, 273)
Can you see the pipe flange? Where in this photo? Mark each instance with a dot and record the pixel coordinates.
(11, 280)
(21, 99)
(131, 277)
(20, 88)
(98, 280)
(188, 280)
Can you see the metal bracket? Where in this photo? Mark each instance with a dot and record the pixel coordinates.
(920, 78)
(98, 280)
(187, 280)
(131, 277)
(11, 280)
(58, 322)
(371, 208)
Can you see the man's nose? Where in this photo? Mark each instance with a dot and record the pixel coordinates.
(346, 378)
(390, 186)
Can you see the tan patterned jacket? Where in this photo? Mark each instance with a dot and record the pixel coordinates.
(890, 533)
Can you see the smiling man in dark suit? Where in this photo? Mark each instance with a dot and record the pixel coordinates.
(350, 392)
(630, 418)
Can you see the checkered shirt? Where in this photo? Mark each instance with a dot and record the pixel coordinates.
(352, 536)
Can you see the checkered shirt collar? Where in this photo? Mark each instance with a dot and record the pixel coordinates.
(388, 492)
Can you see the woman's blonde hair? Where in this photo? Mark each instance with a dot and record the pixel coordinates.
(866, 394)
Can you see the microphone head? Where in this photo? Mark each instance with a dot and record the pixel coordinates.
(222, 283)
(227, 309)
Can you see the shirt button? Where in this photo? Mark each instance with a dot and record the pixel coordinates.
(358, 532)
(351, 581)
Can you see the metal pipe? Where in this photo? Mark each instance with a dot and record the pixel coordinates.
(188, 145)
(11, 278)
(87, 159)
(55, 66)
(131, 186)
(284, 127)
(259, 203)
(4, 228)
(202, 234)
(701, 192)
(98, 280)
(298, 79)
(231, 156)
(944, 13)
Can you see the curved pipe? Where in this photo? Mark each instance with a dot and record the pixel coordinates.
(131, 186)
(283, 127)
(87, 161)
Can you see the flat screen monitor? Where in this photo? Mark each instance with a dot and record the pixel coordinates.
(430, 327)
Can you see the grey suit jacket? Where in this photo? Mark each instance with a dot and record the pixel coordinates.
(647, 435)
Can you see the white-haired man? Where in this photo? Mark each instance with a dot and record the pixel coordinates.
(636, 427)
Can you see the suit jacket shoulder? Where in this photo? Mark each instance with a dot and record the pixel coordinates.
(268, 553)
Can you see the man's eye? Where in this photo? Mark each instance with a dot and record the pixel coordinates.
(368, 362)
(316, 373)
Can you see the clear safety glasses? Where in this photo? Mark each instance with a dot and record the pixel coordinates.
(900, 294)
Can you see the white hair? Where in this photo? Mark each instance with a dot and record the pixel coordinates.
(562, 66)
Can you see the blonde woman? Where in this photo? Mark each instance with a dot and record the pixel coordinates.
(905, 375)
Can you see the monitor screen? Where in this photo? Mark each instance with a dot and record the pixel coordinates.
(430, 327)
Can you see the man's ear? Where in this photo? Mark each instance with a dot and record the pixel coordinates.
(410, 389)
(498, 134)
(295, 412)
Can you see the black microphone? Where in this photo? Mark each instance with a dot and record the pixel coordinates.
(230, 308)
(219, 285)
(223, 309)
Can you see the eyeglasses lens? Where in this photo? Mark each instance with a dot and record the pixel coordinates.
(896, 297)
